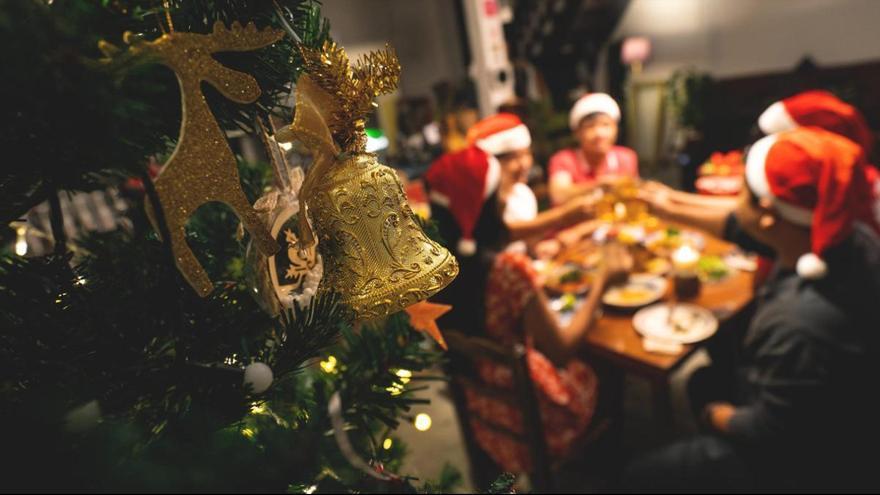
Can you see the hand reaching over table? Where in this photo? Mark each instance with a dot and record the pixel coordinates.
(580, 208)
(547, 249)
(573, 235)
(658, 196)
(706, 213)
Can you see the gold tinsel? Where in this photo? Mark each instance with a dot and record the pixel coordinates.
(353, 88)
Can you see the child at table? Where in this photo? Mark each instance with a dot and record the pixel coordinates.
(593, 120)
(483, 206)
(518, 311)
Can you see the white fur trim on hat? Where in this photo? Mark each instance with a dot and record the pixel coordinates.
(593, 103)
(493, 176)
(439, 198)
(756, 177)
(467, 247)
(515, 138)
(776, 119)
(794, 214)
(756, 170)
(811, 267)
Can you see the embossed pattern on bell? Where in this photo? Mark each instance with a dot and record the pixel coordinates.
(382, 261)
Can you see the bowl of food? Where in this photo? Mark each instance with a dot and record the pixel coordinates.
(640, 290)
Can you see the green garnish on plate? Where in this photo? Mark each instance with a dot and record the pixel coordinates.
(713, 267)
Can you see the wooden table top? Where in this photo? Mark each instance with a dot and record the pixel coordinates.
(613, 337)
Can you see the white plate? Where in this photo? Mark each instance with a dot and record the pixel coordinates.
(695, 323)
(656, 287)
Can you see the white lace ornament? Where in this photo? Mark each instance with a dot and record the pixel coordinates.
(293, 274)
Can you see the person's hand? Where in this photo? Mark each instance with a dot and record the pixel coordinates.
(657, 195)
(616, 264)
(569, 237)
(716, 415)
(581, 208)
(547, 249)
(572, 235)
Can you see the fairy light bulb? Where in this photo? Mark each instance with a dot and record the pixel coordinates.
(20, 241)
(329, 366)
(423, 422)
(404, 375)
(387, 444)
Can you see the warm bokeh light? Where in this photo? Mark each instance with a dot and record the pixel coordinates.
(329, 366)
(404, 375)
(21, 246)
(423, 422)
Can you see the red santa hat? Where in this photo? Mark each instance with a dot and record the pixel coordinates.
(461, 182)
(500, 134)
(818, 109)
(815, 179)
(593, 103)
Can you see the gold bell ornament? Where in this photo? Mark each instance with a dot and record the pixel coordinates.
(376, 255)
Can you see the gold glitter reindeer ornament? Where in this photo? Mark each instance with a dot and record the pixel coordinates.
(202, 168)
(375, 253)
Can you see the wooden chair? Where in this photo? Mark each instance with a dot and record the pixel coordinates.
(464, 351)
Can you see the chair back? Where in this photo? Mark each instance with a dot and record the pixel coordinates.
(464, 352)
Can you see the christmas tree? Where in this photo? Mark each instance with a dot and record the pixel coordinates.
(127, 366)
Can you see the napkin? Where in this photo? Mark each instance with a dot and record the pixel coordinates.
(662, 346)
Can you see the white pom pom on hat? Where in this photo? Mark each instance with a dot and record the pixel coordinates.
(811, 267)
(467, 247)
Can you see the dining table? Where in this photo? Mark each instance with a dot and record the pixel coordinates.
(614, 342)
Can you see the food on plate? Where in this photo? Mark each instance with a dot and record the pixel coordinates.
(683, 319)
(568, 302)
(633, 295)
(631, 234)
(569, 278)
(658, 266)
(663, 242)
(712, 268)
(689, 323)
(641, 289)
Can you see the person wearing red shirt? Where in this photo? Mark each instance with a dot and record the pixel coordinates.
(573, 171)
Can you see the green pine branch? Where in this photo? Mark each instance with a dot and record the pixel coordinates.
(114, 324)
(84, 126)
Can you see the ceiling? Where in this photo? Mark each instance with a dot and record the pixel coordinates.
(562, 38)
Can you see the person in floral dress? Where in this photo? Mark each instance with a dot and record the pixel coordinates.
(517, 311)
